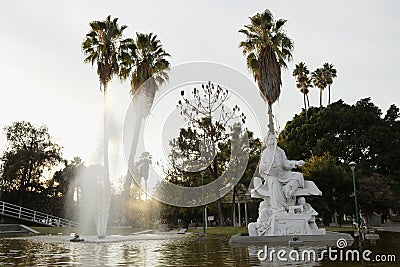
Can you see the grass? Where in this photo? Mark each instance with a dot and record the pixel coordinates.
(69, 230)
(339, 229)
(220, 230)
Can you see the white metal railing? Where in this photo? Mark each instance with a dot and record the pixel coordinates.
(19, 212)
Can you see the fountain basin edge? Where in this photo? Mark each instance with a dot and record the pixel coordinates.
(330, 239)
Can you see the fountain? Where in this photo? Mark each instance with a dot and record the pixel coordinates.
(95, 200)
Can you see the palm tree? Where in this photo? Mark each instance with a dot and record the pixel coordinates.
(146, 67)
(303, 82)
(144, 61)
(101, 45)
(318, 79)
(329, 73)
(267, 49)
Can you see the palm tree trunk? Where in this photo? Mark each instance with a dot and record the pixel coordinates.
(131, 161)
(305, 105)
(142, 101)
(320, 98)
(308, 101)
(104, 204)
(329, 94)
(270, 119)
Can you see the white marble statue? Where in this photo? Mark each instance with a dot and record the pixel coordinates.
(275, 168)
(306, 206)
(263, 224)
(297, 220)
(308, 209)
(279, 212)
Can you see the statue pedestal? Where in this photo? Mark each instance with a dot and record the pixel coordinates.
(282, 221)
(287, 223)
(293, 220)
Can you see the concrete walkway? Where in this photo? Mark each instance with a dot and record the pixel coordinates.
(391, 227)
(16, 229)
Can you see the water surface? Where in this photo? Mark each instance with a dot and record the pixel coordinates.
(185, 251)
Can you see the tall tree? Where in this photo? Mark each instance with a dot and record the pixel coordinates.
(267, 49)
(144, 61)
(255, 148)
(303, 82)
(187, 144)
(319, 81)
(30, 152)
(211, 121)
(329, 73)
(102, 46)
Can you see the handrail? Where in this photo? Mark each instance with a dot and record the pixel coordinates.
(19, 212)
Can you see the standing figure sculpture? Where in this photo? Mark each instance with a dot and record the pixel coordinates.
(275, 169)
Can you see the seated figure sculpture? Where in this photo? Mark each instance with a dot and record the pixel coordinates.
(279, 186)
(275, 169)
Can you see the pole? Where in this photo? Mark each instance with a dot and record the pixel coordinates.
(355, 197)
(245, 213)
(204, 206)
(240, 217)
(206, 216)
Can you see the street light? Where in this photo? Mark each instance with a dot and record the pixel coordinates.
(353, 167)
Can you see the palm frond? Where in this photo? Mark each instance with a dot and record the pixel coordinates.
(267, 49)
(102, 45)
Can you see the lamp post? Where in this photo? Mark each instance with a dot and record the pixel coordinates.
(202, 199)
(353, 167)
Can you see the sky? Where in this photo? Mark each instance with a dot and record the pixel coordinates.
(43, 78)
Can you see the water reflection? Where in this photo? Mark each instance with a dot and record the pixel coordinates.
(185, 251)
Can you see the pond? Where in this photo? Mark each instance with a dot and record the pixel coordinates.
(187, 250)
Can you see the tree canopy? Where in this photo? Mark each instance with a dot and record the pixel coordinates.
(30, 152)
(102, 45)
(348, 132)
(188, 144)
(338, 134)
